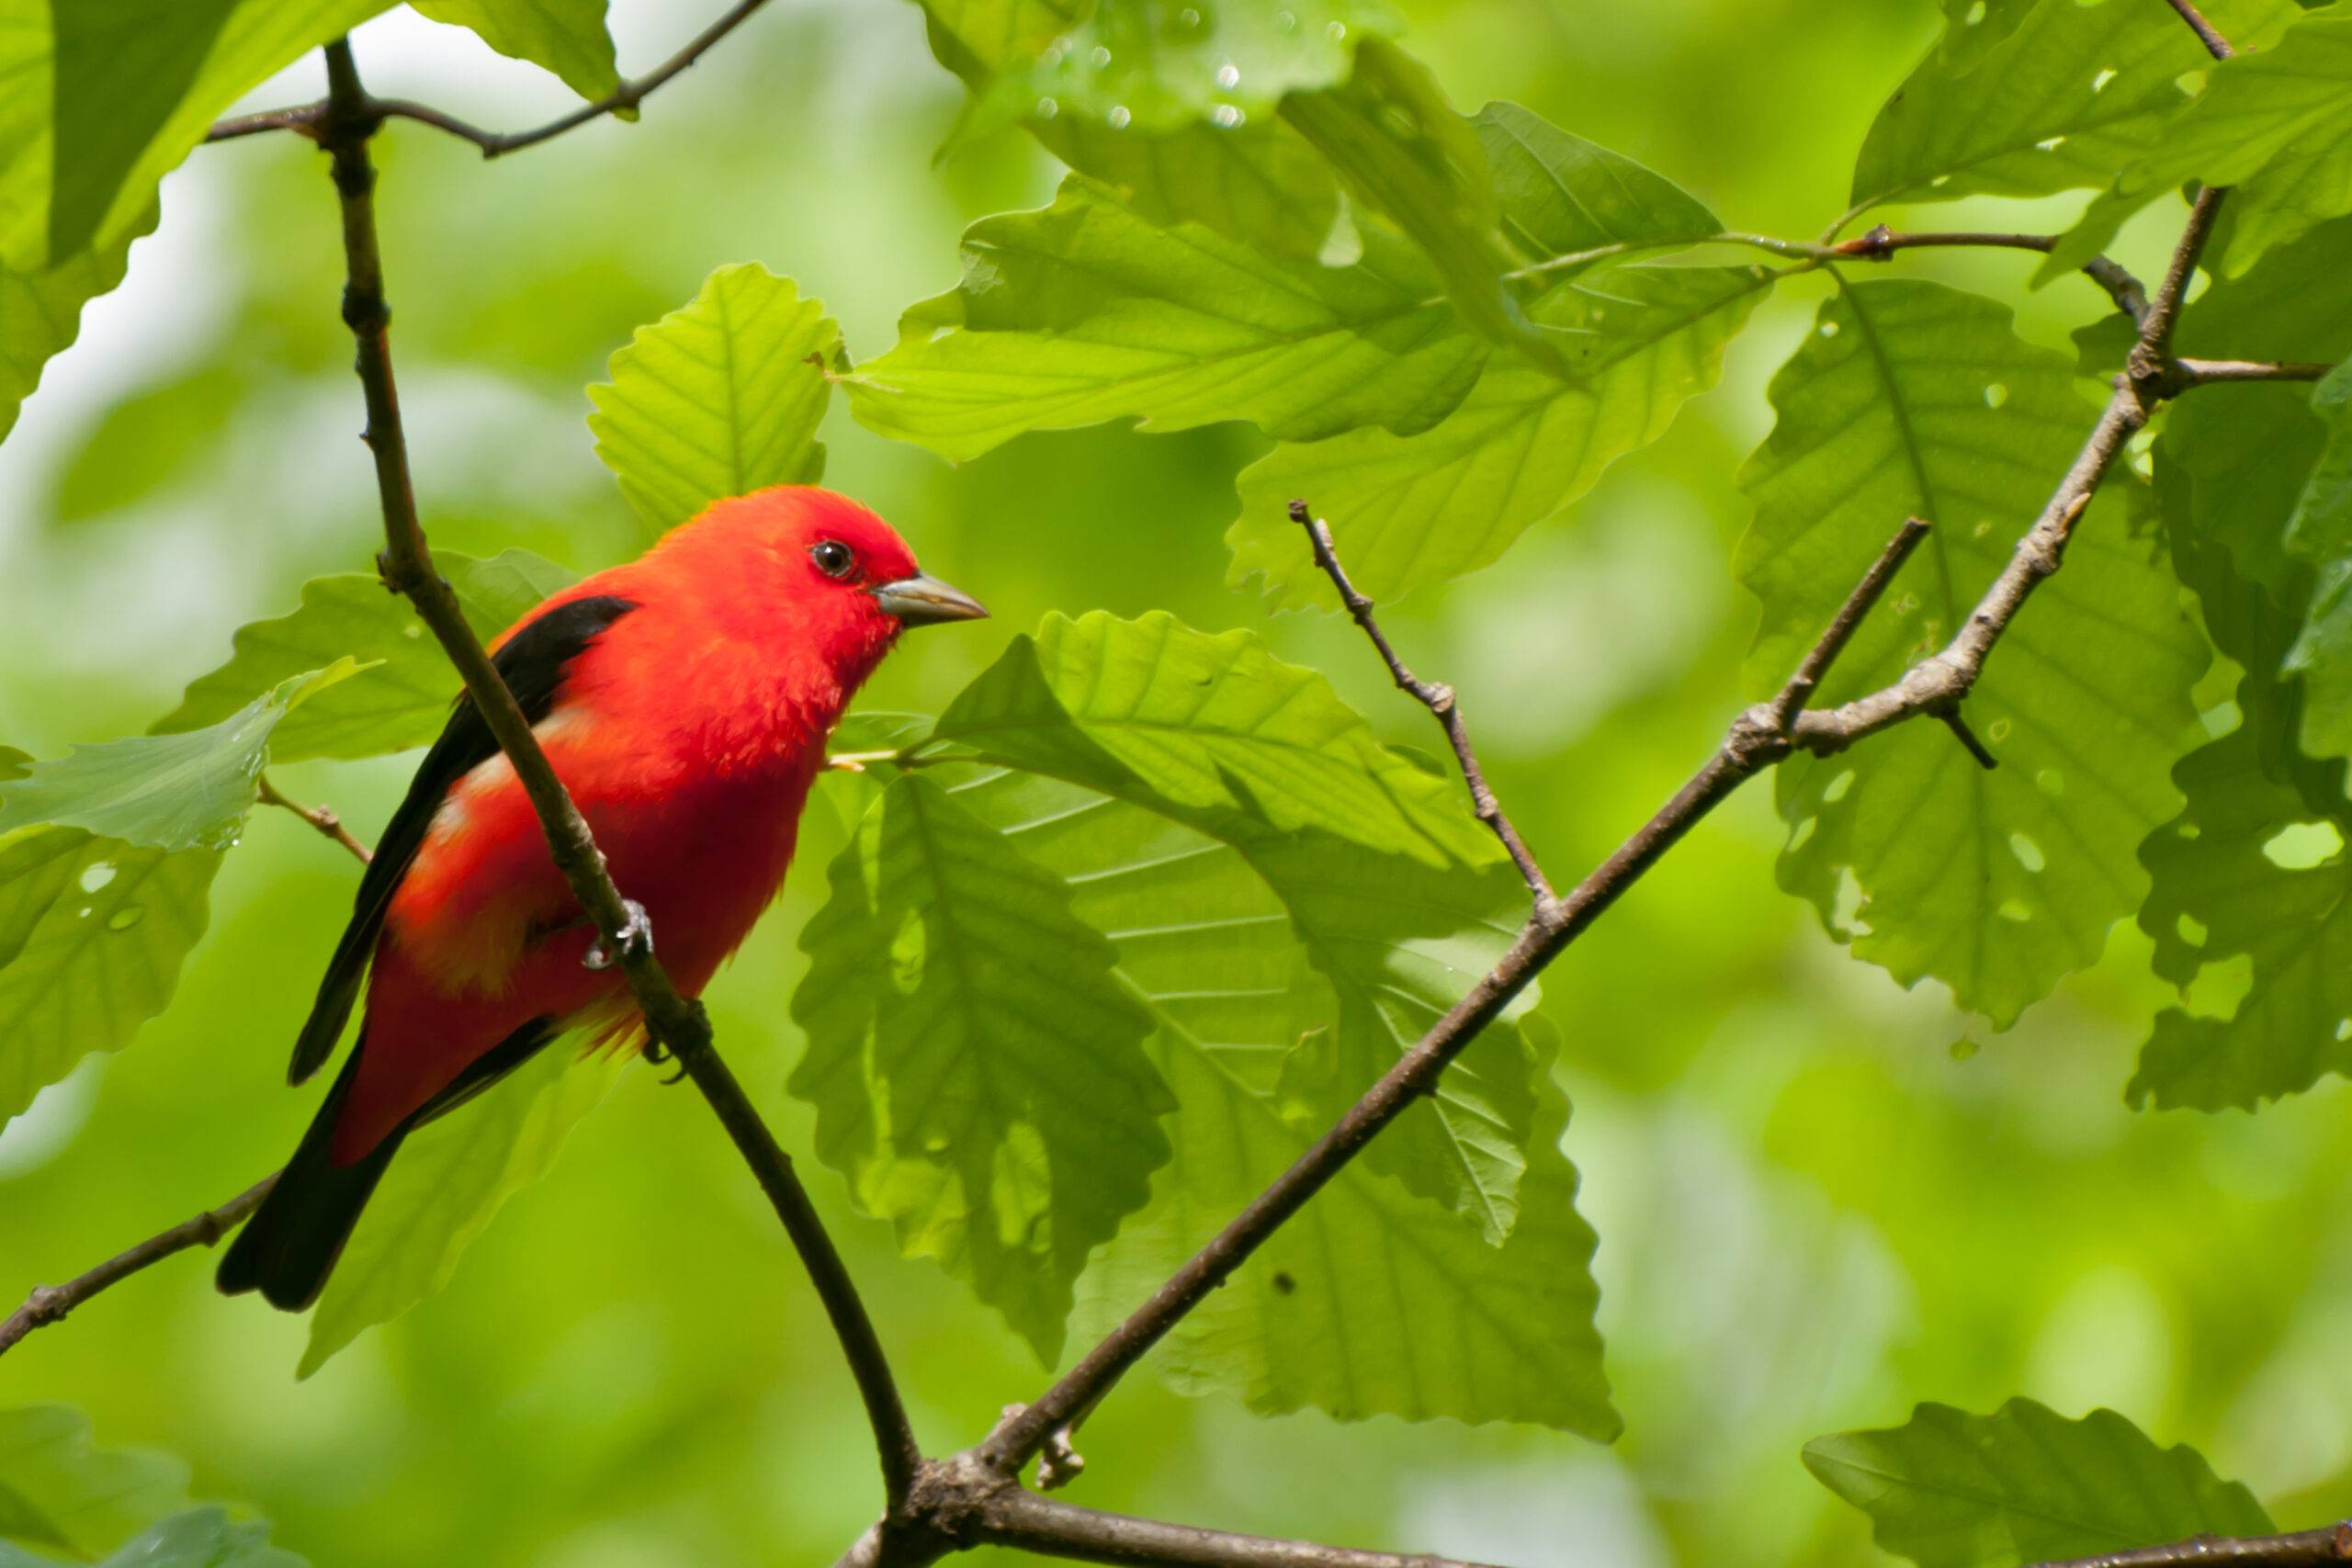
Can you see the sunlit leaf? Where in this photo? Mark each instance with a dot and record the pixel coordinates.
(973, 1060)
(1206, 729)
(1336, 1312)
(1409, 511)
(102, 101)
(1909, 399)
(2070, 95)
(2024, 1484)
(2320, 533)
(1086, 311)
(40, 313)
(1561, 193)
(451, 1179)
(59, 1493)
(401, 696)
(567, 37)
(717, 399)
(2275, 127)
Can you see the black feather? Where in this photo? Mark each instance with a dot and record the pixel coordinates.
(532, 663)
(289, 1247)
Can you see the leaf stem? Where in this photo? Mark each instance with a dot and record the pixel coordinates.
(318, 816)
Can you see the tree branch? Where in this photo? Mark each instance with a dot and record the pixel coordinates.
(1433, 696)
(1050, 1528)
(50, 1304)
(2215, 44)
(674, 1023)
(1881, 243)
(2331, 1543)
(309, 118)
(318, 816)
(2206, 372)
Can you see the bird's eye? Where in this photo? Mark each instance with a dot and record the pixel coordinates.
(832, 558)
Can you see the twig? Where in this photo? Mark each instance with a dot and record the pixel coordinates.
(1967, 738)
(1846, 623)
(318, 816)
(310, 119)
(1433, 696)
(50, 1304)
(675, 1023)
(2330, 1543)
(2215, 44)
(1051, 1528)
(1880, 243)
(2205, 372)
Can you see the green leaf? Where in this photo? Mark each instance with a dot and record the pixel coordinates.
(2277, 128)
(1335, 1312)
(566, 37)
(40, 313)
(1950, 1490)
(1145, 65)
(1409, 511)
(200, 1537)
(1910, 399)
(1561, 193)
(1261, 183)
(168, 792)
(399, 696)
(101, 101)
(57, 1492)
(2320, 533)
(453, 1175)
(973, 1061)
(146, 441)
(2070, 95)
(1086, 311)
(1207, 730)
(719, 398)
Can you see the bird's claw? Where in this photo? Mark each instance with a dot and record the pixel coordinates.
(635, 939)
(661, 1056)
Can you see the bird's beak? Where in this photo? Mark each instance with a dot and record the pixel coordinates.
(920, 601)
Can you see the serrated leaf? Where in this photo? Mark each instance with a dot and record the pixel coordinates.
(101, 101)
(2319, 535)
(58, 1492)
(1561, 193)
(40, 312)
(401, 695)
(565, 37)
(2070, 95)
(1336, 1312)
(1207, 730)
(200, 1537)
(1910, 399)
(169, 792)
(1144, 65)
(1409, 511)
(1086, 311)
(973, 1061)
(2024, 1484)
(2275, 127)
(1259, 183)
(453, 1175)
(719, 398)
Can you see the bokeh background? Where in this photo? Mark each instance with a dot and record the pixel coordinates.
(1821, 1199)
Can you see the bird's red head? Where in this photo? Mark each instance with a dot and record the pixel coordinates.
(810, 570)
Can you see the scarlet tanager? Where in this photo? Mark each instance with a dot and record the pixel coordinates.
(684, 700)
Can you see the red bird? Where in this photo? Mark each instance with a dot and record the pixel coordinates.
(684, 700)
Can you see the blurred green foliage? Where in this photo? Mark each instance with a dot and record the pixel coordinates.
(1818, 1201)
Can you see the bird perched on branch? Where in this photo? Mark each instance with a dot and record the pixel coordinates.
(684, 700)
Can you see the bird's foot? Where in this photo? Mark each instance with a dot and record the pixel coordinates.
(635, 939)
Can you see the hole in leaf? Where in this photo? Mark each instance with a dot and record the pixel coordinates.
(2298, 846)
(2099, 82)
(96, 876)
(1996, 395)
(2051, 143)
(1975, 15)
(2028, 853)
(2192, 931)
(2191, 82)
(1837, 788)
(1828, 329)
(2344, 1028)
(1804, 830)
(2016, 910)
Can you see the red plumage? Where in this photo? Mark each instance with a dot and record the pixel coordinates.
(685, 700)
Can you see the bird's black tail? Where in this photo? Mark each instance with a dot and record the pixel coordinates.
(289, 1245)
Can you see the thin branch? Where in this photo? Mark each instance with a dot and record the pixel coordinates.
(2205, 372)
(318, 816)
(2215, 44)
(1051, 1528)
(2330, 1543)
(50, 1304)
(674, 1023)
(1846, 623)
(310, 119)
(1433, 696)
(1881, 243)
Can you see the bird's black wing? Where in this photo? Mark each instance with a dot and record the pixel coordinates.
(532, 663)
